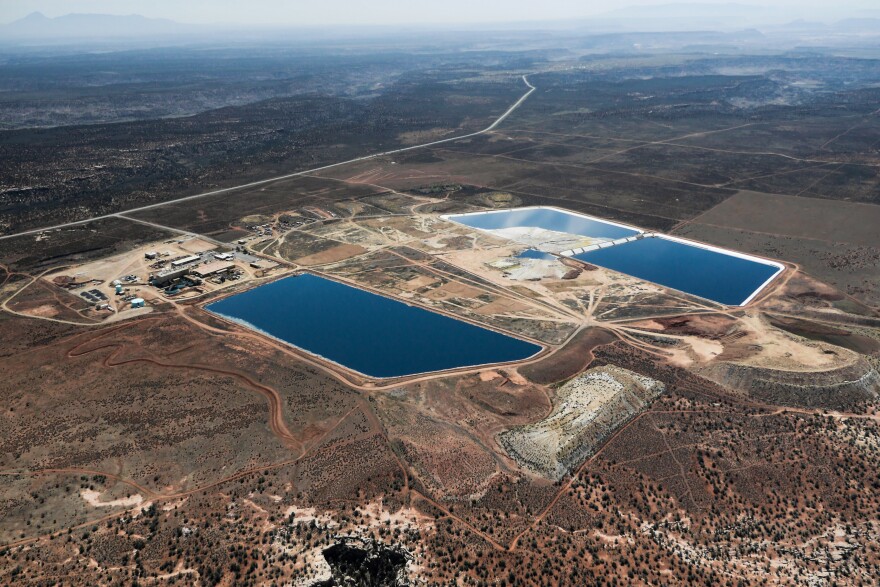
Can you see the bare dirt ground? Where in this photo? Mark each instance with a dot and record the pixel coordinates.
(333, 255)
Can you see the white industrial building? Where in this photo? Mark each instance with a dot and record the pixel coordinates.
(185, 261)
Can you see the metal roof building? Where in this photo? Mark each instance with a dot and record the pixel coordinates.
(212, 268)
(167, 277)
(185, 260)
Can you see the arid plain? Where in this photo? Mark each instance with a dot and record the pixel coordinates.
(657, 438)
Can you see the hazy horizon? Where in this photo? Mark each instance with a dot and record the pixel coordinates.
(396, 12)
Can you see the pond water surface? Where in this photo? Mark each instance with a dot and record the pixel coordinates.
(546, 218)
(369, 333)
(712, 274)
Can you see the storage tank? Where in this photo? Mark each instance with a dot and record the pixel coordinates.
(119, 289)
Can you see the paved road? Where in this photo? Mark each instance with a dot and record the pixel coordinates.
(489, 128)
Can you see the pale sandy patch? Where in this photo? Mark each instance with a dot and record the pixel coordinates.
(93, 498)
(705, 349)
(697, 350)
(197, 245)
(377, 515)
(781, 350)
(44, 311)
(130, 313)
(454, 289)
(489, 375)
(502, 306)
(418, 282)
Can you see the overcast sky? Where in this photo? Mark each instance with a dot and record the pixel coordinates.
(370, 12)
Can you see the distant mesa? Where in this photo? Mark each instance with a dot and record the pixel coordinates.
(89, 26)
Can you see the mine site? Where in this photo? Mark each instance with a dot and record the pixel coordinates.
(604, 310)
(443, 292)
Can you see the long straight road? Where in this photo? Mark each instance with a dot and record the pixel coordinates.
(119, 214)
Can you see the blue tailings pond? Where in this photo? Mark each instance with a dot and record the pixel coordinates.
(546, 218)
(374, 335)
(712, 274)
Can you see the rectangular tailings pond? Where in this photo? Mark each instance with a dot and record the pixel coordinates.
(726, 277)
(546, 218)
(715, 274)
(368, 333)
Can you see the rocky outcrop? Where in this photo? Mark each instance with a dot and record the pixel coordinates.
(587, 410)
(363, 561)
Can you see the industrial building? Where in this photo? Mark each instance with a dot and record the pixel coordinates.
(185, 261)
(212, 269)
(166, 277)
